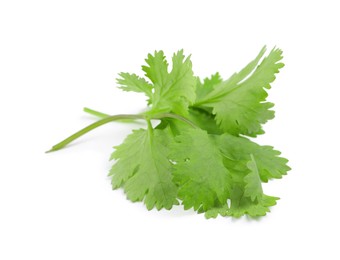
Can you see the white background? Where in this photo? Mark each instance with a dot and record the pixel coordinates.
(58, 56)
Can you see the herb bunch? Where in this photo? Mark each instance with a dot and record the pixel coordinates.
(199, 154)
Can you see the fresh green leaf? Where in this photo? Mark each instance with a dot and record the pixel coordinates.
(219, 88)
(203, 90)
(204, 120)
(174, 91)
(253, 187)
(237, 150)
(157, 71)
(239, 103)
(131, 82)
(199, 171)
(215, 211)
(241, 204)
(200, 118)
(143, 170)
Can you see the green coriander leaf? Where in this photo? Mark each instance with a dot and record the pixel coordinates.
(253, 187)
(175, 126)
(157, 71)
(203, 90)
(241, 205)
(237, 150)
(131, 82)
(174, 91)
(215, 211)
(218, 88)
(204, 120)
(143, 170)
(200, 118)
(246, 195)
(238, 103)
(199, 171)
(244, 206)
(269, 163)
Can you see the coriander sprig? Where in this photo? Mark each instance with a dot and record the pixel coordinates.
(198, 154)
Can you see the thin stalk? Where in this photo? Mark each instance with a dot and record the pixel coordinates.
(178, 117)
(103, 115)
(95, 113)
(89, 128)
(150, 128)
(159, 116)
(109, 119)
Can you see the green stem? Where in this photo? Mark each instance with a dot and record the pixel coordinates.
(109, 119)
(178, 117)
(103, 115)
(87, 129)
(150, 128)
(95, 113)
(159, 116)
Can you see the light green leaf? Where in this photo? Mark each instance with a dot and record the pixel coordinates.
(143, 170)
(215, 211)
(199, 172)
(237, 150)
(157, 71)
(241, 204)
(219, 88)
(239, 103)
(253, 187)
(131, 82)
(204, 120)
(203, 90)
(174, 91)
